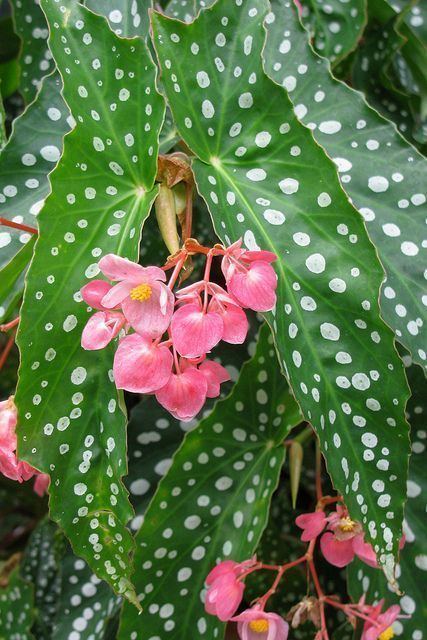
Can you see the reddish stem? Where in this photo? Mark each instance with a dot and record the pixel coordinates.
(319, 492)
(177, 270)
(6, 350)
(188, 210)
(9, 325)
(17, 225)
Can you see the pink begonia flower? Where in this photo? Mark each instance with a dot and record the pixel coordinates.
(337, 552)
(184, 394)
(343, 527)
(146, 301)
(256, 624)
(215, 375)
(194, 331)
(10, 466)
(141, 365)
(225, 590)
(41, 483)
(236, 324)
(250, 278)
(103, 326)
(312, 524)
(380, 624)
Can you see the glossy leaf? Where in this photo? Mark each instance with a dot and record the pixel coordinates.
(213, 502)
(16, 609)
(379, 171)
(11, 280)
(126, 18)
(336, 27)
(36, 59)
(413, 557)
(101, 193)
(282, 194)
(40, 566)
(33, 150)
(184, 10)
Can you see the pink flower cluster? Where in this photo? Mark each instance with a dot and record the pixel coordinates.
(195, 319)
(343, 540)
(10, 466)
(224, 595)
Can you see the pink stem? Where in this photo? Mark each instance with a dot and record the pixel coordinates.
(9, 325)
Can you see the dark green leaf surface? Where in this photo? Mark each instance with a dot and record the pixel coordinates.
(413, 557)
(126, 18)
(33, 150)
(382, 175)
(102, 191)
(16, 609)
(336, 27)
(12, 280)
(36, 59)
(282, 194)
(213, 502)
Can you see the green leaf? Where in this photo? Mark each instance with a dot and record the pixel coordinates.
(36, 59)
(413, 557)
(380, 172)
(40, 566)
(266, 180)
(335, 27)
(184, 10)
(33, 150)
(213, 502)
(11, 279)
(16, 612)
(125, 18)
(101, 193)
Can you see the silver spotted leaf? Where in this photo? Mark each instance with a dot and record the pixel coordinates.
(41, 567)
(213, 502)
(413, 557)
(126, 18)
(335, 26)
(381, 173)
(69, 411)
(266, 180)
(35, 58)
(16, 609)
(33, 150)
(184, 10)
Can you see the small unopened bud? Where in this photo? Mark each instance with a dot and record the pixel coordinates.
(307, 609)
(166, 218)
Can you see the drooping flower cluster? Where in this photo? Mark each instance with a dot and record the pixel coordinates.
(342, 540)
(10, 466)
(165, 337)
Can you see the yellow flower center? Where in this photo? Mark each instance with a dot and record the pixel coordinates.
(259, 626)
(388, 634)
(141, 292)
(347, 524)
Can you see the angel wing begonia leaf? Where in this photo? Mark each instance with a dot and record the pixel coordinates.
(69, 411)
(266, 180)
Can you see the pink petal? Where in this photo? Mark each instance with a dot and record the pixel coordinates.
(215, 374)
(184, 394)
(9, 465)
(147, 316)
(117, 294)
(278, 628)
(224, 596)
(364, 551)
(236, 325)
(100, 329)
(8, 419)
(195, 333)
(227, 566)
(265, 256)
(312, 523)
(337, 552)
(117, 268)
(256, 287)
(140, 366)
(94, 291)
(41, 483)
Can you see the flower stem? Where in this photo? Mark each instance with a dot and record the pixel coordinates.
(319, 492)
(17, 225)
(9, 325)
(4, 355)
(177, 270)
(188, 210)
